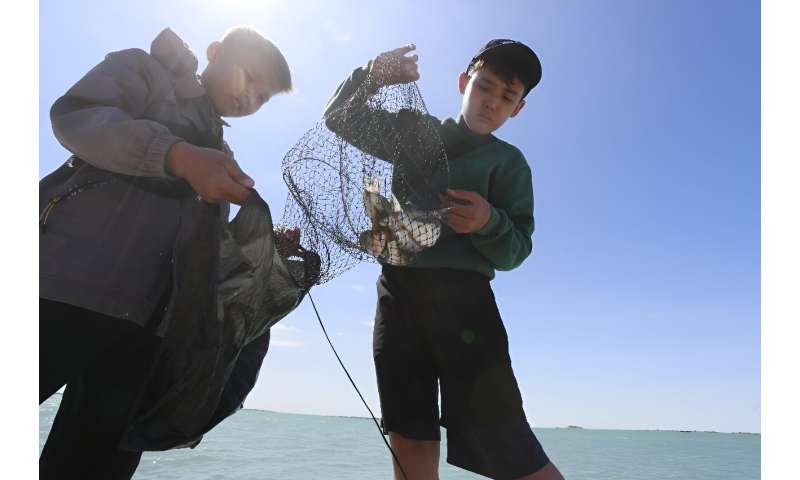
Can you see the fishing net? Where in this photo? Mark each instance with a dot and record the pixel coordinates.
(365, 183)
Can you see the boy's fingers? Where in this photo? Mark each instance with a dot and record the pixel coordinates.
(238, 175)
(402, 50)
(458, 216)
(458, 226)
(462, 211)
(461, 195)
(227, 190)
(236, 193)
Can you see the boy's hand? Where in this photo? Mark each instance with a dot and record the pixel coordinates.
(215, 176)
(394, 67)
(468, 211)
(287, 241)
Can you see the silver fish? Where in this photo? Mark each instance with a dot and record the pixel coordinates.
(397, 233)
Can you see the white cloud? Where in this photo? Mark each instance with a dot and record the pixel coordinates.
(285, 336)
(357, 287)
(281, 343)
(280, 327)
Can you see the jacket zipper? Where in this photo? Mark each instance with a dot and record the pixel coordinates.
(51, 205)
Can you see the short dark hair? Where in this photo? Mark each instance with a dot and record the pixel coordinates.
(248, 39)
(509, 59)
(503, 70)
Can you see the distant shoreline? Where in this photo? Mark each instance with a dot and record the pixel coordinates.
(568, 427)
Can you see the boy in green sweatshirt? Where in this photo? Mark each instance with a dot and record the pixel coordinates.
(437, 323)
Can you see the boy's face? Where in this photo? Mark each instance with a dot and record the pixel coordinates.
(237, 84)
(488, 100)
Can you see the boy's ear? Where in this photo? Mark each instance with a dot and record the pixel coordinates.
(463, 80)
(518, 108)
(212, 52)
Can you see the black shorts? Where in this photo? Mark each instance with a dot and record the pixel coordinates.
(441, 327)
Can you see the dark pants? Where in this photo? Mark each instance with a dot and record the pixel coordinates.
(103, 361)
(440, 331)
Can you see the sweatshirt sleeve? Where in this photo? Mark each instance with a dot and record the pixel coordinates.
(345, 91)
(367, 125)
(505, 240)
(100, 118)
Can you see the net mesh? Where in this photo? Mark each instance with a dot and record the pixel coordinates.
(365, 184)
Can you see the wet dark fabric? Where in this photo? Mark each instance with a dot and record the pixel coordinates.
(215, 333)
(439, 329)
(228, 287)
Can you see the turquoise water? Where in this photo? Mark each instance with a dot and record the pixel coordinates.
(255, 444)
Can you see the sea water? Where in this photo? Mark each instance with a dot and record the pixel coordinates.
(254, 444)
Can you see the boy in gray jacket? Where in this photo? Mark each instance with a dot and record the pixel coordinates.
(146, 135)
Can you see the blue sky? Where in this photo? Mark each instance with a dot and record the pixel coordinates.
(640, 305)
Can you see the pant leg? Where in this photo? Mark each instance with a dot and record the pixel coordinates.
(487, 430)
(70, 338)
(83, 440)
(407, 380)
(94, 411)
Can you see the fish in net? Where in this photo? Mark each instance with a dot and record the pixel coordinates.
(366, 182)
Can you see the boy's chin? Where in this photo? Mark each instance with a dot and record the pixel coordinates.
(481, 127)
(225, 110)
(227, 113)
(233, 113)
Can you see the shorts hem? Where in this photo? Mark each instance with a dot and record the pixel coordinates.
(412, 433)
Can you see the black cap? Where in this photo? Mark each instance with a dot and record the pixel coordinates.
(514, 53)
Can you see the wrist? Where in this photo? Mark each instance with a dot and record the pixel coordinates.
(491, 223)
(177, 158)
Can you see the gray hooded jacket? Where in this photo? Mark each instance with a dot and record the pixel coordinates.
(121, 237)
(107, 248)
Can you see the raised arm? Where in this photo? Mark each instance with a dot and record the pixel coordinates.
(349, 111)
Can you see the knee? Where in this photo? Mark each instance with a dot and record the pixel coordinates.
(410, 446)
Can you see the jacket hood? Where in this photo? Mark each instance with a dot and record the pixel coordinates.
(178, 59)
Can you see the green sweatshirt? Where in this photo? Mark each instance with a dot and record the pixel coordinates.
(491, 167)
